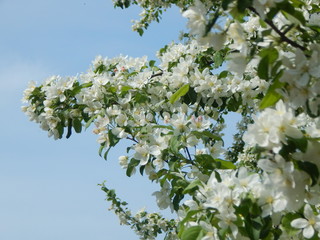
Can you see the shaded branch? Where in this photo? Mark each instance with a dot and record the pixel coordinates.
(156, 74)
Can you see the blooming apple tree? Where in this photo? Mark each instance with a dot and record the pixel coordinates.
(257, 58)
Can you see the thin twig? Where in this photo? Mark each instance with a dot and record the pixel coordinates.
(189, 156)
(132, 139)
(281, 34)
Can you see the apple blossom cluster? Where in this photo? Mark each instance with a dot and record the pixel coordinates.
(257, 58)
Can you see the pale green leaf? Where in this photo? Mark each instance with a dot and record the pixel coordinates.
(178, 94)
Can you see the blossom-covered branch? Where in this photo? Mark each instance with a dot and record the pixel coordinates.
(257, 59)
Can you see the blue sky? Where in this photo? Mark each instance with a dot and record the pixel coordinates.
(49, 188)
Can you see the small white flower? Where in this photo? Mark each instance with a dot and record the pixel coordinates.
(123, 161)
(197, 18)
(309, 224)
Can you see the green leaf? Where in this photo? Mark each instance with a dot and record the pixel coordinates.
(253, 227)
(218, 59)
(151, 63)
(225, 164)
(86, 85)
(294, 16)
(225, 4)
(131, 166)
(176, 201)
(206, 161)
(192, 233)
(125, 89)
(140, 98)
(140, 31)
(69, 132)
(77, 125)
(272, 54)
(234, 103)
(174, 144)
(190, 97)
(100, 69)
(105, 156)
(207, 134)
(223, 74)
(263, 68)
(178, 94)
(60, 129)
(90, 121)
(188, 217)
(272, 96)
(299, 143)
(101, 149)
(113, 140)
(192, 186)
(266, 228)
(311, 169)
(286, 223)
(141, 169)
(242, 5)
(163, 126)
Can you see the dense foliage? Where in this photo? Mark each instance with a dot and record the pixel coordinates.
(257, 58)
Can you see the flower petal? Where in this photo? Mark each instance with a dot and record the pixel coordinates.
(308, 232)
(299, 223)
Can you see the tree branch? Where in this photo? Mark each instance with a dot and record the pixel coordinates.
(281, 34)
(156, 74)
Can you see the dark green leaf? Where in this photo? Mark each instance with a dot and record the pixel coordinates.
(242, 5)
(225, 4)
(113, 140)
(140, 31)
(190, 97)
(142, 169)
(60, 129)
(263, 68)
(266, 228)
(223, 74)
(151, 63)
(77, 125)
(311, 169)
(131, 166)
(294, 16)
(69, 132)
(105, 156)
(176, 201)
(299, 143)
(100, 69)
(140, 98)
